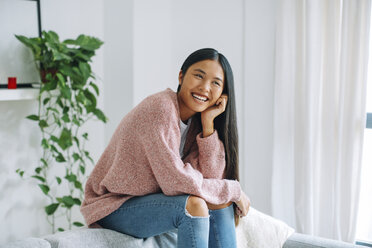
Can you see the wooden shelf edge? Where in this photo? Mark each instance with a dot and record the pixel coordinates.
(18, 94)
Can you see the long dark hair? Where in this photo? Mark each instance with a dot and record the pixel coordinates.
(225, 123)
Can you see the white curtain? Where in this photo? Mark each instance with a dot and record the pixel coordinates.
(319, 114)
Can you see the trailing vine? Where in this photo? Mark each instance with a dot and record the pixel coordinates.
(66, 101)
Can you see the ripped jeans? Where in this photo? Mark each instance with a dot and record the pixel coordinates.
(151, 215)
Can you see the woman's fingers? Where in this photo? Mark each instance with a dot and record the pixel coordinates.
(244, 204)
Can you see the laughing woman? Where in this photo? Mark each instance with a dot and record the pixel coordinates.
(172, 162)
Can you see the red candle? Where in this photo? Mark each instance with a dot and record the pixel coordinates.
(12, 83)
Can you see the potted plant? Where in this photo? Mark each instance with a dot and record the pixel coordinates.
(67, 100)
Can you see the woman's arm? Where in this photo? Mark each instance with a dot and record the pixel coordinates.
(176, 177)
(208, 156)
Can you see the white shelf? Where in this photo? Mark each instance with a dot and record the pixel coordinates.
(18, 94)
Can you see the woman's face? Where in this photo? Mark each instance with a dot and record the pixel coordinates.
(201, 87)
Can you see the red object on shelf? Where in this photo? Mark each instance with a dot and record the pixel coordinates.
(12, 83)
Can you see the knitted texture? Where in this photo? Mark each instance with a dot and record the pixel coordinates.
(143, 157)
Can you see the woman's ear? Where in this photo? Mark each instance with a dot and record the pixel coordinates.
(180, 76)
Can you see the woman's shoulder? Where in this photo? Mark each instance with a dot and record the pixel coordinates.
(165, 96)
(164, 101)
(156, 108)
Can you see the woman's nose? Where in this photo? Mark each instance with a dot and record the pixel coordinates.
(204, 86)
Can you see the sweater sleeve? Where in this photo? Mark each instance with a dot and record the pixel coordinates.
(176, 177)
(208, 155)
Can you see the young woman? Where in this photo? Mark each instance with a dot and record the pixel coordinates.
(172, 162)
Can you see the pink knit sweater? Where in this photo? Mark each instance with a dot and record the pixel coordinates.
(143, 158)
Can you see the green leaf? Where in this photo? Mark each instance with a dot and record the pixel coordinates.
(90, 158)
(51, 36)
(77, 201)
(88, 43)
(82, 169)
(66, 92)
(85, 70)
(33, 117)
(67, 71)
(50, 209)
(59, 102)
(54, 149)
(45, 144)
(32, 43)
(77, 77)
(46, 100)
(78, 185)
(42, 179)
(43, 124)
(37, 170)
(60, 229)
(60, 158)
(76, 141)
(91, 98)
(53, 109)
(66, 118)
(85, 136)
(95, 87)
(65, 110)
(78, 224)
(59, 180)
(54, 138)
(100, 115)
(76, 122)
(83, 56)
(81, 98)
(50, 85)
(44, 162)
(59, 56)
(76, 156)
(68, 201)
(71, 178)
(44, 188)
(65, 140)
(20, 172)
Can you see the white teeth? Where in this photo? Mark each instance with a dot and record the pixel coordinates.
(201, 98)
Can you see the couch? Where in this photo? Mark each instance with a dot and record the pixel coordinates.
(256, 230)
(98, 238)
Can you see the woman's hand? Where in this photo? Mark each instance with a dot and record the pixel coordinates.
(208, 115)
(243, 205)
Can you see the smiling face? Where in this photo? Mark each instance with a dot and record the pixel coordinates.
(201, 87)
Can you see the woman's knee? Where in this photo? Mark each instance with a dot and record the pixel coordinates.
(196, 206)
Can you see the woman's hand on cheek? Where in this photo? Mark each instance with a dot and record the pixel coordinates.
(208, 115)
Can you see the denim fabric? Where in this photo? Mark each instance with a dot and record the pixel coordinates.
(222, 228)
(151, 215)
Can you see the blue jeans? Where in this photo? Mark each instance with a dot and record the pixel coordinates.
(151, 215)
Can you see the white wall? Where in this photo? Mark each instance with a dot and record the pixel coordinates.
(118, 62)
(21, 202)
(259, 40)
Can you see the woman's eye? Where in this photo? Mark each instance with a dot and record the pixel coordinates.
(217, 83)
(198, 75)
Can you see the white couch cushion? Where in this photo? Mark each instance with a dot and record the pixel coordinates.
(27, 243)
(97, 238)
(258, 230)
